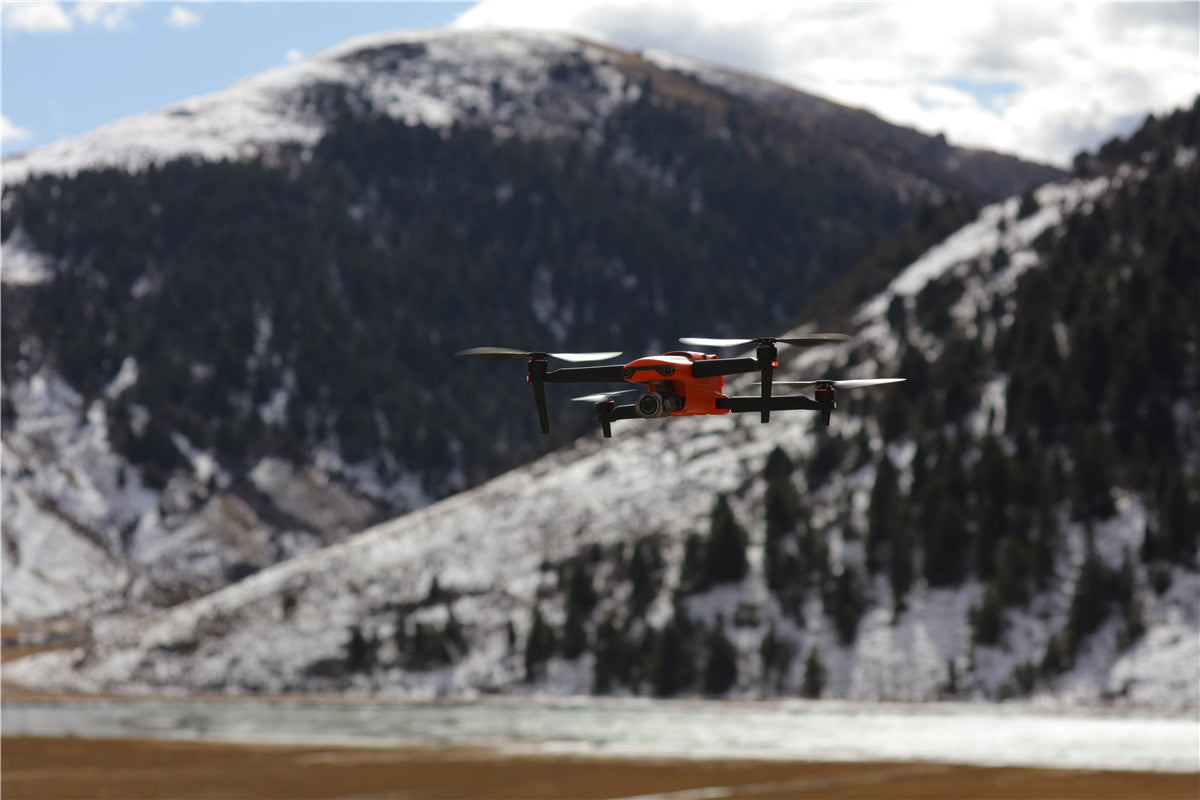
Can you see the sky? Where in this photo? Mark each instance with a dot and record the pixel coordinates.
(1042, 80)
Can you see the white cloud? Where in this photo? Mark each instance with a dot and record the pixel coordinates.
(181, 17)
(108, 15)
(35, 17)
(12, 133)
(293, 55)
(1039, 79)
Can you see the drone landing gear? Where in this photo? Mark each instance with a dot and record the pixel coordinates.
(607, 411)
(537, 377)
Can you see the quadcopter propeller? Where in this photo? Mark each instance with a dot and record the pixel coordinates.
(601, 397)
(850, 384)
(810, 340)
(765, 355)
(538, 369)
(508, 354)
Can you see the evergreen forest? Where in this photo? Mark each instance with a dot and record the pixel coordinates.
(276, 307)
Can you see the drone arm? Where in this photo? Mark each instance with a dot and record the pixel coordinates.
(610, 373)
(757, 404)
(762, 363)
(540, 374)
(724, 366)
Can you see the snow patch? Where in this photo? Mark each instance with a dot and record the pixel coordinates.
(21, 264)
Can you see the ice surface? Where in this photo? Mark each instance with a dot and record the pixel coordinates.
(823, 731)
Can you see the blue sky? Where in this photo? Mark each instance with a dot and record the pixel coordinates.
(1039, 79)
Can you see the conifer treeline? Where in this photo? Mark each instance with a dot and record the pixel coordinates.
(1100, 380)
(271, 309)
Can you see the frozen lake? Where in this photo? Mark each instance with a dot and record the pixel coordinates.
(805, 731)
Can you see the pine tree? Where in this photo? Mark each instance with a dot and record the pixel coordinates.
(813, 683)
(1091, 487)
(645, 569)
(775, 655)
(673, 667)
(1178, 514)
(987, 618)
(692, 577)
(994, 484)
(845, 603)
(455, 641)
(360, 651)
(885, 516)
(1095, 587)
(725, 555)
(539, 647)
(574, 637)
(900, 566)
(944, 529)
(721, 667)
(613, 658)
(781, 499)
(581, 593)
(1013, 566)
(1045, 542)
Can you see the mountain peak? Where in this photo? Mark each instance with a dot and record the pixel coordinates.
(432, 78)
(535, 85)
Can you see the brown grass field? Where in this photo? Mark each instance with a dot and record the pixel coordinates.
(70, 768)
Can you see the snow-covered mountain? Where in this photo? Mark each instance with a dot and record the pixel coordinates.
(574, 574)
(532, 85)
(435, 78)
(228, 324)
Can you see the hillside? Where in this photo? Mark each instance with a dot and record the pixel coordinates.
(1016, 521)
(228, 324)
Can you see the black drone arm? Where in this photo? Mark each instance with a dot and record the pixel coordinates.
(762, 363)
(741, 405)
(724, 366)
(540, 374)
(609, 373)
(748, 404)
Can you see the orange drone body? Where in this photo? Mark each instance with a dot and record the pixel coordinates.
(670, 375)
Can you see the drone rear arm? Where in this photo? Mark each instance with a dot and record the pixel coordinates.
(739, 405)
(748, 404)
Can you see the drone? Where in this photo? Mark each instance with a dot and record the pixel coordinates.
(682, 383)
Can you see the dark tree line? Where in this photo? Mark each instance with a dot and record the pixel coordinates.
(340, 286)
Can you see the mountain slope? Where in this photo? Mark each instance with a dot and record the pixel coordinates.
(948, 538)
(229, 324)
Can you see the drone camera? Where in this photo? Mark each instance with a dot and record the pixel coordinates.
(653, 404)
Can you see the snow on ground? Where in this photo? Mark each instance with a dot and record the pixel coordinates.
(20, 264)
(226, 125)
(50, 567)
(65, 508)
(996, 227)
